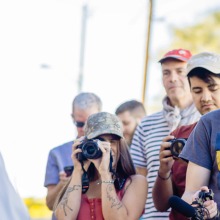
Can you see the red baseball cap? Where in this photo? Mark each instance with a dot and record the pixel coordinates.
(179, 54)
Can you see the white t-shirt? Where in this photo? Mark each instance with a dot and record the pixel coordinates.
(11, 205)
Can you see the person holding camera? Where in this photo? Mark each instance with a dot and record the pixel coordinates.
(178, 109)
(204, 78)
(104, 184)
(59, 163)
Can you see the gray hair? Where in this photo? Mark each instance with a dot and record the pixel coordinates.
(86, 100)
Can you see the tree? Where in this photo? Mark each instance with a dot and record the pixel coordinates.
(203, 36)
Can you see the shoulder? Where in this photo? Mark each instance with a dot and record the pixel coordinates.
(154, 115)
(62, 147)
(136, 183)
(157, 117)
(208, 121)
(138, 179)
(211, 115)
(184, 130)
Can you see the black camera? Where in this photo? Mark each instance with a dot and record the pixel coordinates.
(176, 146)
(68, 170)
(90, 150)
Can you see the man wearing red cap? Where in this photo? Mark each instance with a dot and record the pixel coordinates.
(178, 109)
(203, 72)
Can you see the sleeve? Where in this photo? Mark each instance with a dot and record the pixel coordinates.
(52, 170)
(197, 148)
(137, 149)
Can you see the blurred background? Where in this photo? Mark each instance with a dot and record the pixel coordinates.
(51, 50)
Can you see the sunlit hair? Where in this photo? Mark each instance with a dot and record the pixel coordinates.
(86, 100)
(203, 74)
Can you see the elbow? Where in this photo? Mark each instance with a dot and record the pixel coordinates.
(161, 205)
(49, 203)
(161, 208)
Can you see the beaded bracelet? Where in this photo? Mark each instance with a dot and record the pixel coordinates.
(107, 181)
(163, 177)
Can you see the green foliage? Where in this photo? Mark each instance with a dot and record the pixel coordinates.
(203, 36)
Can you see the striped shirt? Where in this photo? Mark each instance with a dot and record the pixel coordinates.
(145, 153)
(146, 142)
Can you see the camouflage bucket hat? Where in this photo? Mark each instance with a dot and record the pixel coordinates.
(103, 123)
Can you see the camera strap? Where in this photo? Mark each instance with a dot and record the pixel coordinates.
(85, 180)
(119, 182)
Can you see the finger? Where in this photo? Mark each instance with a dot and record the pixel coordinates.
(104, 146)
(164, 146)
(165, 154)
(77, 142)
(167, 138)
(62, 173)
(212, 207)
(75, 152)
(204, 188)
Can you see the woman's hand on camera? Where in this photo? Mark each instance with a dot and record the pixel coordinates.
(102, 163)
(75, 151)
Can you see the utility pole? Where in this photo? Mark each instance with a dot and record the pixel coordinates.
(82, 45)
(147, 51)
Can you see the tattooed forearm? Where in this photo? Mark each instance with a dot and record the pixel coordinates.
(114, 200)
(64, 200)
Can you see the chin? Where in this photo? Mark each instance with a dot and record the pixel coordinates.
(208, 110)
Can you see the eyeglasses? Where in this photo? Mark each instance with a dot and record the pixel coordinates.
(79, 124)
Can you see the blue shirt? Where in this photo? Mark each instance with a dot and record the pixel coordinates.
(58, 158)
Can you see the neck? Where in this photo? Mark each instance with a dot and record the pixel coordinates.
(181, 104)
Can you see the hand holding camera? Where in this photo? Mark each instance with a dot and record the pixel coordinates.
(204, 204)
(96, 151)
(176, 146)
(202, 208)
(76, 150)
(166, 159)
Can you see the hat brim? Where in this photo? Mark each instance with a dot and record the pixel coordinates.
(212, 69)
(98, 133)
(173, 57)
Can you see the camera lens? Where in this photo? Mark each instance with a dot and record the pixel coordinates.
(91, 150)
(177, 146)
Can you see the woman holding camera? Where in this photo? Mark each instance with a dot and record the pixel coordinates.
(106, 186)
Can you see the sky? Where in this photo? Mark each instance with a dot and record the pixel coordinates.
(40, 56)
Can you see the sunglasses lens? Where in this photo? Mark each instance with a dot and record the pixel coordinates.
(79, 124)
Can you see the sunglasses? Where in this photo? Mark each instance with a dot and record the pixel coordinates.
(79, 124)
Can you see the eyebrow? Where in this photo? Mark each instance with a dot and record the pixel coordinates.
(197, 87)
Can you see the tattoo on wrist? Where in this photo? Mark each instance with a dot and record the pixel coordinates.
(114, 200)
(65, 198)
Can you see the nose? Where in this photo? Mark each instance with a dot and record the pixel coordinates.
(206, 96)
(173, 76)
